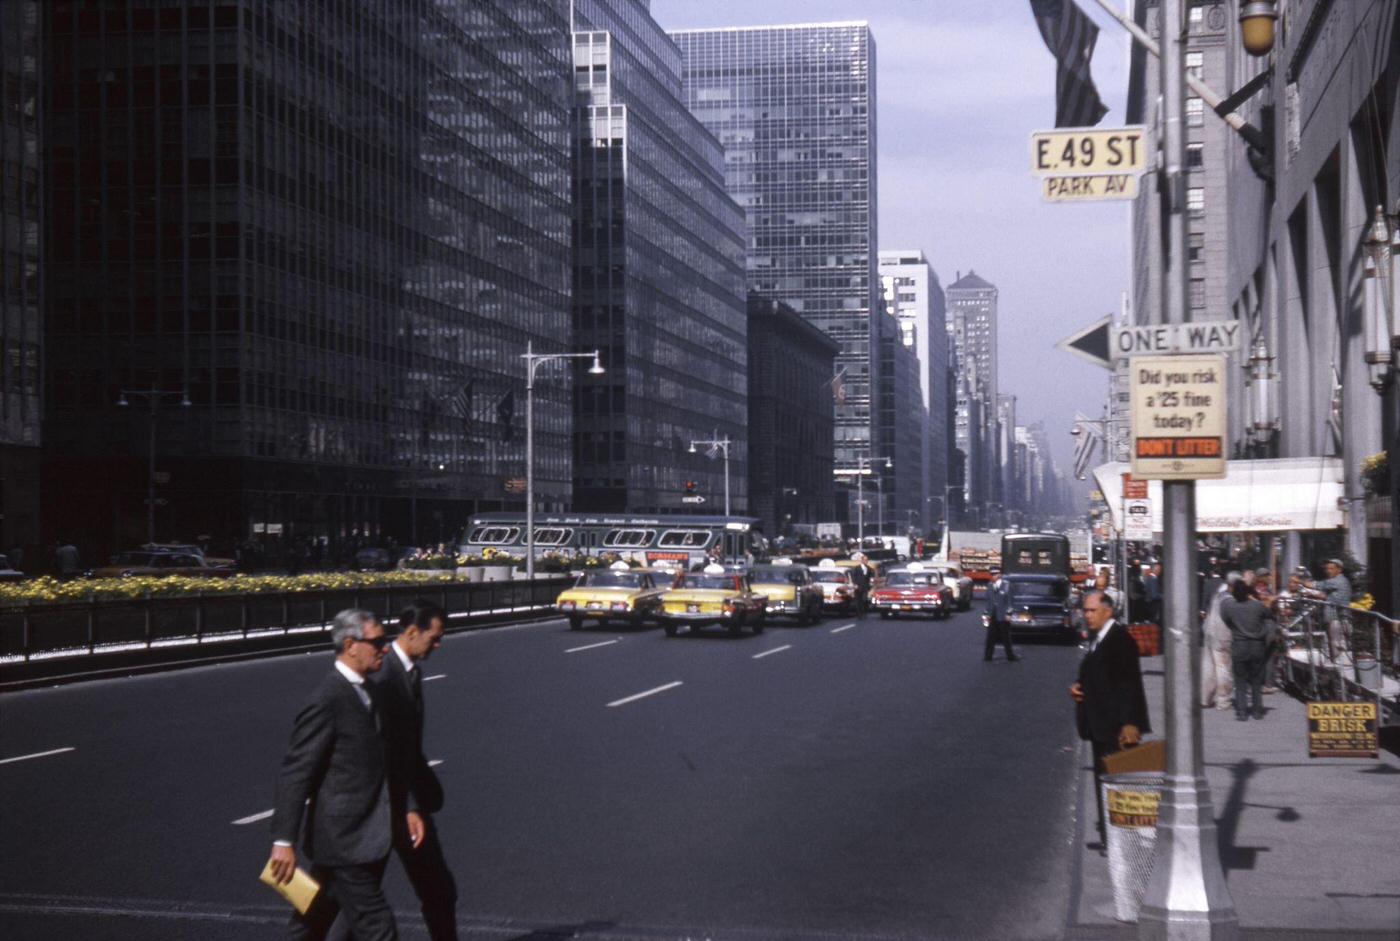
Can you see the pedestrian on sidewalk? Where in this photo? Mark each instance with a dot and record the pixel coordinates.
(1252, 626)
(1110, 706)
(998, 618)
(1335, 589)
(1217, 683)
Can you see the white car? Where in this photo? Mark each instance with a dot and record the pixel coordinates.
(960, 583)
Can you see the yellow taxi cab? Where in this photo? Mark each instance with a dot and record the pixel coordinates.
(713, 596)
(617, 593)
(790, 590)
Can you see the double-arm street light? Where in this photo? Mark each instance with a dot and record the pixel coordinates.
(863, 462)
(153, 398)
(723, 445)
(534, 361)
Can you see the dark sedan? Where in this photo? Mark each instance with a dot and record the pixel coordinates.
(1040, 604)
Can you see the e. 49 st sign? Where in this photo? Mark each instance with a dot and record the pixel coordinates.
(1085, 164)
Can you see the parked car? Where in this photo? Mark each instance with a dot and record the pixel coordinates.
(912, 590)
(189, 548)
(373, 559)
(713, 596)
(838, 585)
(8, 574)
(619, 593)
(158, 564)
(790, 590)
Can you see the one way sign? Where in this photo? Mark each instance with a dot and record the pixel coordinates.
(1091, 343)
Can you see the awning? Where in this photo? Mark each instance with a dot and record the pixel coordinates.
(1292, 493)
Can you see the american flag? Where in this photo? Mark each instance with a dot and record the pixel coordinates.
(1071, 36)
(838, 386)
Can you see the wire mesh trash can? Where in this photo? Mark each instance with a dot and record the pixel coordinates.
(1130, 810)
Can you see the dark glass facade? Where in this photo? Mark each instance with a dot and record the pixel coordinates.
(335, 226)
(21, 287)
(901, 424)
(794, 107)
(658, 277)
(791, 419)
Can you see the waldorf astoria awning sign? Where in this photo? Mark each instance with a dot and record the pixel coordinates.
(1178, 414)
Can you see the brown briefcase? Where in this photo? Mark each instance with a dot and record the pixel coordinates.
(1149, 756)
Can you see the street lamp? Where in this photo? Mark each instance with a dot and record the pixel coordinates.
(862, 462)
(723, 445)
(534, 361)
(153, 398)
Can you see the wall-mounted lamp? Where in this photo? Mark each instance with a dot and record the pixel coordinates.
(1257, 18)
(1263, 392)
(1376, 300)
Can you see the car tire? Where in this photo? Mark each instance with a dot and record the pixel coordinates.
(575, 623)
(884, 615)
(670, 629)
(758, 624)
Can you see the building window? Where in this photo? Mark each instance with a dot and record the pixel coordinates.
(1197, 14)
(1198, 294)
(1195, 63)
(1196, 243)
(1195, 112)
(1196, 199)
(1195, 156)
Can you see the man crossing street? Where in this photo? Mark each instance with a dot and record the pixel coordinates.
(998, 618)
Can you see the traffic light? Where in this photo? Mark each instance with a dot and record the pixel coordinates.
(691, 486)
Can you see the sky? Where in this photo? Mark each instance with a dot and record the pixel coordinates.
(960, 86)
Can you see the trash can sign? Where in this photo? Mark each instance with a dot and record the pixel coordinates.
(1132, 810)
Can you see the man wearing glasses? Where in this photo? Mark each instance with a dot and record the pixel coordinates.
(336, 774)
(1110, 704)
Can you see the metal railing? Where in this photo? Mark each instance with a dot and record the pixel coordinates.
(1348, 652)
(44, 631)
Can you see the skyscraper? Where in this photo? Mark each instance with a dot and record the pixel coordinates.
(658, 276)
(914, 296)
(972, 317)
(21, 284)
(334, 235)
(794, 108)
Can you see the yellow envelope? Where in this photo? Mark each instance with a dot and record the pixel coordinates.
(301, 891)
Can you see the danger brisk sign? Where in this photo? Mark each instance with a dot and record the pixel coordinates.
(1179, 421)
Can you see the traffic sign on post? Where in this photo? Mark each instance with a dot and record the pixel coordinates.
(1210, 336)
(1084, 164)
(1179, 421)
(1091, 343)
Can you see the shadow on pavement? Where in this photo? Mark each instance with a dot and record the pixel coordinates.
(566, 931)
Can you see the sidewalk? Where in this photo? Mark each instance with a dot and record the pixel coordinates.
(1309, 845)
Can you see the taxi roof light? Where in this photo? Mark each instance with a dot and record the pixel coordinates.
(620, 566)
(714, 568)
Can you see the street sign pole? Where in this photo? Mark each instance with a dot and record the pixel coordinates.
(1186, 897)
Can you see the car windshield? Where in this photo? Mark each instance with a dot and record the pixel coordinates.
(725, 582)
(911, 579)
(839, 578)
(770, 576)
(134, 558)
(613, 580)
(1036, 591)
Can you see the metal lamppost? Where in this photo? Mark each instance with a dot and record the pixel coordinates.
(153, 397)
(862, 463)
(1186, 898)
(723, 445)
(533, 361)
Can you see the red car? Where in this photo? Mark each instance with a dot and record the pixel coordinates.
(913, 591)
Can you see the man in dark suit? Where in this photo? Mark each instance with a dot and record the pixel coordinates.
(418, 793)
(998, 617)
(1110, 705)
(337, 776)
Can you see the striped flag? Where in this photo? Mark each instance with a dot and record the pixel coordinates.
(838, 386)
(1071, 36)
(460, 404)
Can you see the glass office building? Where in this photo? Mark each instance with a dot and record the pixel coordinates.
(334, 228)
(658, 278)
(21, 287)
(794, 107)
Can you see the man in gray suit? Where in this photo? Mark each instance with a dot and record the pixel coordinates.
(337, 775)
(998, 618)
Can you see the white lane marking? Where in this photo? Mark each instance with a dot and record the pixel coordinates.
(435, 676)
(39, 754)
(252, 818)
(651, 692)
(843, 627)
(435, 762)
(604, 643)
(760, 656)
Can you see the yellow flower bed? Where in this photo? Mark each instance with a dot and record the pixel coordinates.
(46, 589)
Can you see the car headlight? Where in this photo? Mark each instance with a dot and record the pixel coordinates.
(567, 605)
(620, 606)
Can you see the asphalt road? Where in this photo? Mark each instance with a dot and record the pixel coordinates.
(872, 781)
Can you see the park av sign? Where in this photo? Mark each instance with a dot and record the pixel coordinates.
(1085, 164)
(1179, 420)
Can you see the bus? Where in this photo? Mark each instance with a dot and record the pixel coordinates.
(1035, 554)
(679, 540)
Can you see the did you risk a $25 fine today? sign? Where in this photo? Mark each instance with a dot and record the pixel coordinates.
(1179, 420)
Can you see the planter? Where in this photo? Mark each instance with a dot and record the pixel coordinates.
(497, 573)
(475, 573)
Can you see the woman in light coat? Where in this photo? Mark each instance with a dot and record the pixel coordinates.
(1217, 679)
